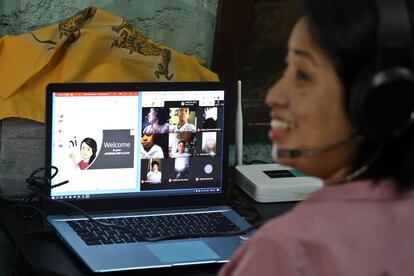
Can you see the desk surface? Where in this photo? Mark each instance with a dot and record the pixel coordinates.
(44, 253)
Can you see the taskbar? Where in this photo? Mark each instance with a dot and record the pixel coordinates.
(138, 194)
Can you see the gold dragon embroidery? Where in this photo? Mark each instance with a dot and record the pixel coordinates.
(70, 27)
(135, 41)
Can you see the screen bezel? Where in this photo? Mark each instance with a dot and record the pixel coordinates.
(144, 202)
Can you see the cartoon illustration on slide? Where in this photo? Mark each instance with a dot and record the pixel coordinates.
(88, 149)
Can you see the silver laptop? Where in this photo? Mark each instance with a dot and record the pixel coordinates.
(138, 158)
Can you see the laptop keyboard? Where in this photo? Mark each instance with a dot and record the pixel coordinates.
(151, 227)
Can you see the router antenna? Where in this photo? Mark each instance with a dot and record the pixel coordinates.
(239, 126)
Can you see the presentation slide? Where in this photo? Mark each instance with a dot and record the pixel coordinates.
(95, 144)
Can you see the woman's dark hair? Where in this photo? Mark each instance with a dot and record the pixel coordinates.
(92, 144)
(162, 115)
(183, 142)
(346, 30)
(154, 163)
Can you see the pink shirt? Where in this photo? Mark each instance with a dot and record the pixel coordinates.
(353, 229)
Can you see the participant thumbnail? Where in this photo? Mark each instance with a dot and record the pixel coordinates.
(209, 118)
(207, 169)
(154, 146)
(181, 144)
(209, 141)
(183, 119)
(154, 174)
(181, 167)
(155, 120)
(181, 150)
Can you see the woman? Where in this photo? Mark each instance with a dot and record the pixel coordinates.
(88, 150)
(209, 143)
(149, 149)
(360, 222)
(181, 146)
(183, 125)
(157, 119)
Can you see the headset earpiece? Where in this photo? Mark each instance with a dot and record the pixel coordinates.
(382, 102)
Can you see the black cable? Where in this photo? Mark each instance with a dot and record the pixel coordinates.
(246, 211)
(202, 235)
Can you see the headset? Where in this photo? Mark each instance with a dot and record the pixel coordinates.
(381, 102)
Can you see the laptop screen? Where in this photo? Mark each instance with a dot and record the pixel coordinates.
(136, 140)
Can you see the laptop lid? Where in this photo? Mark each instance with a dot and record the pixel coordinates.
(131, 146)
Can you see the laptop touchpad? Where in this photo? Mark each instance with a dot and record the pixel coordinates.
(178, 252)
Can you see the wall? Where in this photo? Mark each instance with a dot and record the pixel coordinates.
(271, 24)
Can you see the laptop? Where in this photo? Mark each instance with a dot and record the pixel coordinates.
(130, 153)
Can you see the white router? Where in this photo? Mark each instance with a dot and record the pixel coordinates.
(269, 182)
(275, 183)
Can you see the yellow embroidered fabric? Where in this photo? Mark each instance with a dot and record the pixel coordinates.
(91, 46)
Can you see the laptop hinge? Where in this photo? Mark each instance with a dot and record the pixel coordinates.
(141, 210)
